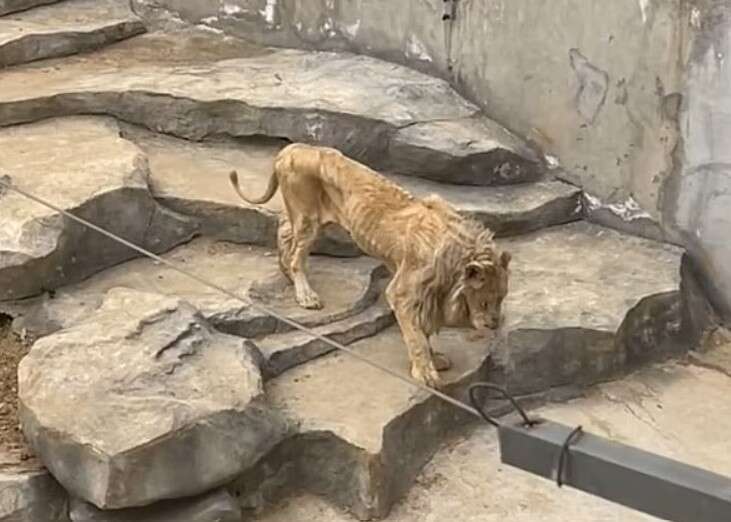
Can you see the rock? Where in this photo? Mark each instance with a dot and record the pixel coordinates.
(142, 401)
(363, 436)
(571, 289)
(68, 27)
(218, 506)
(171, 84)
(83, 166)
(702, 323)
(507, 210)
(347, 287)
(470, 151)
(12, 6)
(31, 496)
(280, 352)
(192, 178)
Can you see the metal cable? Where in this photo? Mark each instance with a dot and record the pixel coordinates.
(4, 182)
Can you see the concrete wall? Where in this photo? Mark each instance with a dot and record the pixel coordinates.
(603, 86)
(699, 198)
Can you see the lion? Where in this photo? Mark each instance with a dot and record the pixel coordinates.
(446, 269)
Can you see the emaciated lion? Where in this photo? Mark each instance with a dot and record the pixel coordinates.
(447, 270)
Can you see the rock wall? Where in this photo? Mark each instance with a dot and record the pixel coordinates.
(602, 87)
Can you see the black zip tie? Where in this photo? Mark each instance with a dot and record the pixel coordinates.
(527, 421)
(563, 454)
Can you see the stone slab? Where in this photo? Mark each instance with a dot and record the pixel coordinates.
(362, 436)
(143, 401)
(280, 352)
(298, 95)
(83, 166)
(31, 495)
(347, 286)
(579, 305)
(68, 27)
(216, 506)
(12, 6)
(192, 179)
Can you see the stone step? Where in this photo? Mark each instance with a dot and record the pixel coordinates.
(82, 165)
(280, 352)
(583, 301)
(29, 493)
(347, 286)
(192, 179)
(65, 28)
(13, 6)
(195, 85)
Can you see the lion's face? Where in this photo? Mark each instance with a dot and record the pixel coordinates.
(485, 287)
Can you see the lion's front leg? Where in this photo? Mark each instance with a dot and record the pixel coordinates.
(423, 368)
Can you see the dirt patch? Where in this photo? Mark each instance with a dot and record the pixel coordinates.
(13, 448)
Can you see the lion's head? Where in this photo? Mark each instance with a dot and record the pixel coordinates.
(484, 285)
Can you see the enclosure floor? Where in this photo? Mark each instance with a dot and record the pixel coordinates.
(13, 448)
(656, 409)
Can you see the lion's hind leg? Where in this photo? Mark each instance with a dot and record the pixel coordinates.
(285, 245)
(305, 231)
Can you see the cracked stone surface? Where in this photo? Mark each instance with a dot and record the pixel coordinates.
(82, 166)
(31, 495)
(576, 292)
(192, 178)
(65, 28)
(216, 506)
(467, 481)
(142, 401)
(12, 6)
(170, 83)
(356, 442)
(347, 286)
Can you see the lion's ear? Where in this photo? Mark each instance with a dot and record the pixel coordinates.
(505, 258)
(472, 272)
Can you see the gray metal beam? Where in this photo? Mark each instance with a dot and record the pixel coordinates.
(634, 478)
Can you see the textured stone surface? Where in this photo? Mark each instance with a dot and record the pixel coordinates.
(82, 166)
(466, 480)
(142, 401)
(347, 286)
(280, 352)
(362, 437)
(217, 506)
(31, 496)
(299, 95)
(450, 148)
(66, 28)
(571, 290)
(192, 178)
(11, 6)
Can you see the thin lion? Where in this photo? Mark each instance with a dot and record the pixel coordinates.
(447, 270)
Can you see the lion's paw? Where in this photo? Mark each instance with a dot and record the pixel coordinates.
(441, 362)
(427, 374)
(309, 299)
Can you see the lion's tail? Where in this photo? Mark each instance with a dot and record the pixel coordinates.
(269, 194)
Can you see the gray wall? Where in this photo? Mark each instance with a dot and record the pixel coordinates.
(629, 95)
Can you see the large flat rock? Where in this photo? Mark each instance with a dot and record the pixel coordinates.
(192, 179)
(362, 436)
(583, 294)
(576, 315)
(142, 401)
(199, 86)
(65, 28)
(83, 166)
(347, 286)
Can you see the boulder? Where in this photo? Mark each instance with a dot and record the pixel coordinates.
(83, 166)
(142, 401)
